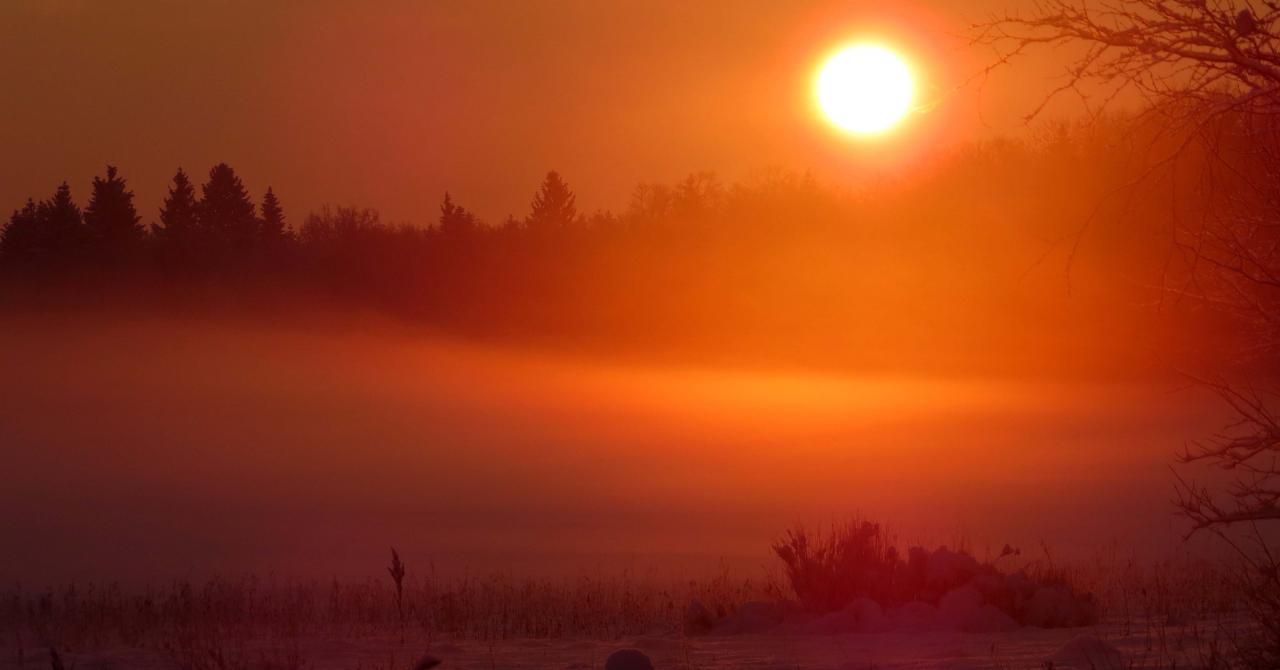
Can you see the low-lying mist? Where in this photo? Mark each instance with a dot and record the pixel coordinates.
(145, 448)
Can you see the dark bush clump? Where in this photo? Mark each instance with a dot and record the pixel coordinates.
(856, 560)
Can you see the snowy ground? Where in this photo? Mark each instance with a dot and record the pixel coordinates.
(1162, 647)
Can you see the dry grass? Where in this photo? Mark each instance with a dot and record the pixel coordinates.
(1178, 607)
(218, 624)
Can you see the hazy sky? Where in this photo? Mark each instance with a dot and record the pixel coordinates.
(388, 104)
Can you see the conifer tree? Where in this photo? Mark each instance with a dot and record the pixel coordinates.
(20, 239)
(226, 214)
(272, 227)
(455, 221)
(553, 205)
(46, 232)
(62, 215)
(61, 233)
(178, 217)
(110, 219)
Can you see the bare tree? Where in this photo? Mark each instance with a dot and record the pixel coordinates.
(1184, 50)
(1250, 450)
(1208, 75)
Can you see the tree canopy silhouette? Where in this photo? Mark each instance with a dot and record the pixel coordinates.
(110, 218)
(553, 205)
(20, 240)
(455, 221)
(744, 264)
(226, 214)
(178, 216)
(273, 226)
(49, 233)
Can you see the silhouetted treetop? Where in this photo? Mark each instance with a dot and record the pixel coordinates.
(178, 216)
(20, 239)
(61, 226)
(273, 226)
(111, 220)
(48, 231)
(63, 216)
(455, 221)
(336, 227)
(694, 198)
(225, 211)
(553, 205)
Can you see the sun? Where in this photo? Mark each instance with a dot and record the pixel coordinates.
(865, 89)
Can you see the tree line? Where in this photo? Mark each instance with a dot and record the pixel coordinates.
(221, 223)
(944, 269)
(221, 226)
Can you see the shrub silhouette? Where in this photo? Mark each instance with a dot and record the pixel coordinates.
(828, 571)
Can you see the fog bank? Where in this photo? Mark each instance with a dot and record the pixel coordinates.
(150, 448)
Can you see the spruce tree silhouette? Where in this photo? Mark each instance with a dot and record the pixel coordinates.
(110, 219)
(455, 222)
(47, 233)
(272, 227)
(178, 233)
(20, 239)
(62, 225)
(553, 205)
(178, 216)
(226, 216)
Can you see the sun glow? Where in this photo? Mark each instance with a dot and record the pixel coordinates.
(865, 89)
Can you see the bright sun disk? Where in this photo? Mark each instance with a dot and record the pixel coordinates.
(865, 89)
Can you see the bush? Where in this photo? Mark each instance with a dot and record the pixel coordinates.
(855, 560)
(828, 571)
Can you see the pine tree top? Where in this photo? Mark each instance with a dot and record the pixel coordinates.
(553, 204)
(179, 209)
(225, 195)
(273, 225)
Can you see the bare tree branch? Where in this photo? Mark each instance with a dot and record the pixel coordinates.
(1208, 72)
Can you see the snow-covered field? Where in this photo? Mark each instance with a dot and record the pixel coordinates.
(1099, 647)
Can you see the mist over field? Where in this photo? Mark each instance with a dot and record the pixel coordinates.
(156, 447)
(665, 389)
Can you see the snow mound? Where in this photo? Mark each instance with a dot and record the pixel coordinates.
(656, 644)
(932, 591)
(628, 659)
(860, 616)
(1087, 651)
(752, 617)
(965, 609)
(914, 617)
(698, 620)
(1056, 607)
(426, 662)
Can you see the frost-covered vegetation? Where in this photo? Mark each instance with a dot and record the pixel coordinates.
(856, 570)
(1166, 612)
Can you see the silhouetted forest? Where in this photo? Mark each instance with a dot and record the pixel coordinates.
(1007, 255)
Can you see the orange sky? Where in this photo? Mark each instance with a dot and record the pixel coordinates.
(388, 104)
